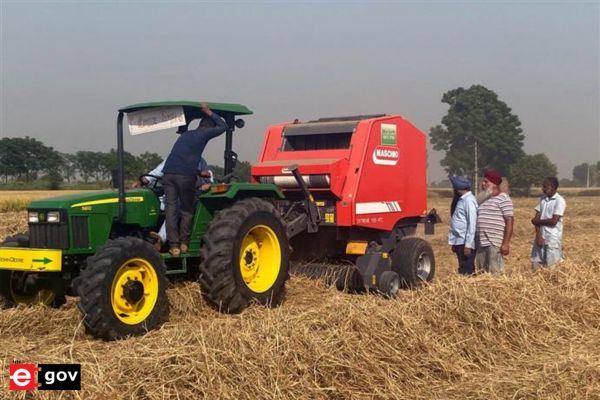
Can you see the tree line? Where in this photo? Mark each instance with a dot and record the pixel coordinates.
(28, 159)
(481, 132)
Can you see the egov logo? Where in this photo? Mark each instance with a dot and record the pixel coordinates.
(50, 377)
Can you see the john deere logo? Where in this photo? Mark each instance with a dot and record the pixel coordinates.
(388, 134)
(42, 217)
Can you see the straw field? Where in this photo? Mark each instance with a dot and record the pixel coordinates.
(520, 335)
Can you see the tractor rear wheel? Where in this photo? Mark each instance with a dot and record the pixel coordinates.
(413, 261)
(245, 256)
(122, 289)
(14, 287)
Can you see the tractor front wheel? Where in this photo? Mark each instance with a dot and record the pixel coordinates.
(18, 287)
(122, 289)
(245, 256)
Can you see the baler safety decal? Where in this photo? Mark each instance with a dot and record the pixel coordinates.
(378, 207)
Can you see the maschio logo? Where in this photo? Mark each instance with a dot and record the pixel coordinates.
(22, 376)
(50, 377)
(383, 155)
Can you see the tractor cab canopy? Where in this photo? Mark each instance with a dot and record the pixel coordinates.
(159, 115)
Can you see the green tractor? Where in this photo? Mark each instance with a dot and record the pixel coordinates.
(98, 246)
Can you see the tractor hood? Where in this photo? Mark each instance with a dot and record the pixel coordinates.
(75, 202)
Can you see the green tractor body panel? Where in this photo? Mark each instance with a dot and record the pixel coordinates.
(86, 220)
(210, 203)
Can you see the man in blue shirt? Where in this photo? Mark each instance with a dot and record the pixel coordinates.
(179, 180)
(203, 182)
(461, 235)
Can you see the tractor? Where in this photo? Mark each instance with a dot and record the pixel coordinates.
(98, 247)
(350, 187)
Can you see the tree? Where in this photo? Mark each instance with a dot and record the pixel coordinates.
(148, 161)
(26, 157)
(580, 174)
(530, 170)
(69, 166)
(477, 118)
(88, 164)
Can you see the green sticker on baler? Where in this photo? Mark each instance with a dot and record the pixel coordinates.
(388, 134)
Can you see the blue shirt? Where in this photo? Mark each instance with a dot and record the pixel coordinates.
(187, 150)
(464, 222)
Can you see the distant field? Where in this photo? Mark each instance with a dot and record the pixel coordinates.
(17, 200)
(567, 191)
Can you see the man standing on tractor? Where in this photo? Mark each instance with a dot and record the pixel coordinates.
(179, 180)
(547, 245)
(495, 219)
(463, 223)
(204, 180)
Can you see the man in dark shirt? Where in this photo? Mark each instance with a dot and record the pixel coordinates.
(179, 180)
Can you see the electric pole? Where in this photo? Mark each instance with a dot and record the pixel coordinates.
(476, 169)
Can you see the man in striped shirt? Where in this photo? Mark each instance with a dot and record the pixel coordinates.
(495, 218)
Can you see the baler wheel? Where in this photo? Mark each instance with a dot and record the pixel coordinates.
(12, 291)
(389, 284)
(413, 261)
(245, 256)
(122, 290)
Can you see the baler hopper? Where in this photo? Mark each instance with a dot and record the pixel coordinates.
(361, 181)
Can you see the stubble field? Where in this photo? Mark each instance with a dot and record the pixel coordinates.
(520, 335)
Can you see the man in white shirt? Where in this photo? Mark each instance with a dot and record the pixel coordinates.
(461, 235)
(547, 245)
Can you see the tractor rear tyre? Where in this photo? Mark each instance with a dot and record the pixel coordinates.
(413, 261)
(13, 288)
(122, 289)
(245, 256)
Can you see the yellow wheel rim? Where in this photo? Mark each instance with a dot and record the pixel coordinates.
(260, 258)
(134, 291)
(43, 296)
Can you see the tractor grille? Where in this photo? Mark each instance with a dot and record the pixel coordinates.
(81, 238)
(49, 236)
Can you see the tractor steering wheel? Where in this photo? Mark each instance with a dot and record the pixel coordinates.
(227, 178)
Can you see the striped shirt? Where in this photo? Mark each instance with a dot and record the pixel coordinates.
(490, 220)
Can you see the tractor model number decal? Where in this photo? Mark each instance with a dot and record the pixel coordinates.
(388, 134)
(385, 155)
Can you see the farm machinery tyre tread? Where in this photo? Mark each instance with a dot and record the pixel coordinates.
(221, 280)
(125, 259)
(7, 299)
(413, 261)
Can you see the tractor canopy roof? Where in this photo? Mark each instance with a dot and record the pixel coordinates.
(191, 108)
(159, 115)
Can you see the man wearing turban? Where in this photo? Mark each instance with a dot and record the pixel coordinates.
(495, 218)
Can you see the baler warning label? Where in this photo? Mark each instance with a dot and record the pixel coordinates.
(388, 134)
(384, 155)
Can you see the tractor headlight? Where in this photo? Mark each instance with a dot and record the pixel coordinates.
(53, 216)
(33, 217)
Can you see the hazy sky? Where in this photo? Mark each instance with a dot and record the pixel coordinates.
(67, 66)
